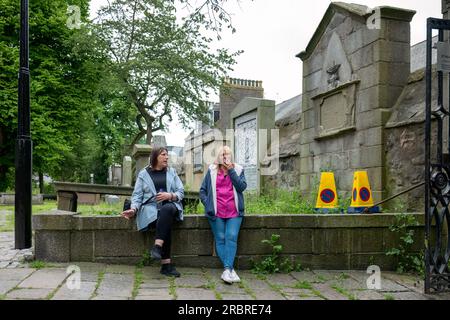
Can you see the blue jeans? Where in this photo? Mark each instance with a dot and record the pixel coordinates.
(226, 235)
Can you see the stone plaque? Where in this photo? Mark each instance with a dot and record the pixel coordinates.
(246, 147)
(332, 112)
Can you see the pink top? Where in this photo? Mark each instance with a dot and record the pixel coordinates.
(226, 207)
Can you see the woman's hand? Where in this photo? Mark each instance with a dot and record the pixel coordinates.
(228, 165)
(128, 214)
(163, 196)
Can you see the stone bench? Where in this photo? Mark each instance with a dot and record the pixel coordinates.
(316, 241)
(67, 193)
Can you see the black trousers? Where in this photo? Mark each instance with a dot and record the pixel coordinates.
(164, 223)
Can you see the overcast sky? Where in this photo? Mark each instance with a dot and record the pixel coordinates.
(272, 32)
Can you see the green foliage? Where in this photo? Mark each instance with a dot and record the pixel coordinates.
(303, 285)
(65, 89)
(145, 260)
(162, 64)
(193, 207)
(406, 261)
(277, 201)
(274, 263)
(138, 279)
(38, 264)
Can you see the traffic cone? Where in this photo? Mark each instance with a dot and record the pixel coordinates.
(362, 194)
(327, 200)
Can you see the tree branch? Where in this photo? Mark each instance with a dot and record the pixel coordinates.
(132, 31)
(138, 137)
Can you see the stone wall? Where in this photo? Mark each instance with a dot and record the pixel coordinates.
(405, 143)
(317, 241)
(287, 121)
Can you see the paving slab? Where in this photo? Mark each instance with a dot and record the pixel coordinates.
(328, 293)
(29, 294)
(410, 296)
(191, 281)
(83, 293)
(116, 285)
(305, 276)
(120, 269)
(155, 283)
(154, 294)
(18, 274)
(234, 296)
(222, 288)
(195, 294)
(284, 280)
(412, 282)
(45, 278)
(7, 285)
(386, 284)
(368, 295)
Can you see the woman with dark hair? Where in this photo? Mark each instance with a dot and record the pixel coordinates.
(156, 201)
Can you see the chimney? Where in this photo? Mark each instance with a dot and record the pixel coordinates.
(231, 93)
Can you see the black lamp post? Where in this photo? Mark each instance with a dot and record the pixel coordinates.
(23, 143)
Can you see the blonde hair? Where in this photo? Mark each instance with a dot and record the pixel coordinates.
(220, 151)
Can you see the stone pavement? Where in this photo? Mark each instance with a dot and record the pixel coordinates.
(35, 280)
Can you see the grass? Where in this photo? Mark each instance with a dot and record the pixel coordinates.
(243, 285)
(278, 201)
(274, 201)
(343, 292)
(389, 297)
(318, 294)
(38, 264)
(211, 284)
(101, 275)
(172, 288)
(137, 282)
(303, 285)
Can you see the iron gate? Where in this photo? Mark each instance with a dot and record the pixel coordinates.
(437, 174)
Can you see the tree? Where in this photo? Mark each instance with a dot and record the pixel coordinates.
(64, 86)
(163, 64)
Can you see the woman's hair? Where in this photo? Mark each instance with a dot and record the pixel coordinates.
(154, 155)
(220, 152)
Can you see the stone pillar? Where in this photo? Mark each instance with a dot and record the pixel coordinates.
(126, 171)
(141, 156)
(445, 9)
(159, 141)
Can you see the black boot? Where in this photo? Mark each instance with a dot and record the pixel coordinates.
(168, 269)
(155, 252)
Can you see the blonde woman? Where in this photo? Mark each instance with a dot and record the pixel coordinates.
(222, 196)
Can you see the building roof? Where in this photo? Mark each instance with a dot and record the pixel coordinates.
(410, 106)
(288, 111)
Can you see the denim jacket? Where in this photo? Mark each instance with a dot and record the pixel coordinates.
(208, 194)
(144, 189)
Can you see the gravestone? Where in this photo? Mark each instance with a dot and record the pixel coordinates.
(252, 120)
(127, 171)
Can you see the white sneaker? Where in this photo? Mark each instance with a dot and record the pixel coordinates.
(226, 276)
(234, 276)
